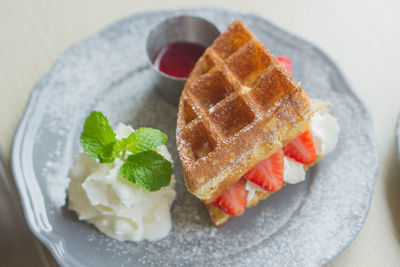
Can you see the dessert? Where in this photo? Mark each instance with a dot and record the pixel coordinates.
(245, 127)
(123, 182)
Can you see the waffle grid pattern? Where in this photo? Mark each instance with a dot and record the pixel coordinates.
(238, 107)
(232, 90)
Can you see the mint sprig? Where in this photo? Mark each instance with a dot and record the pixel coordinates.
(148, 169)
(143, 139)
(97, 137)
(144, 166)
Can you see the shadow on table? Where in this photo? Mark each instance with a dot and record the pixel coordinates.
(392, 188)
(17, 245)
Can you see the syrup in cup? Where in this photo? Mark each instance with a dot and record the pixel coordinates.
(178, 59)
(173, 47)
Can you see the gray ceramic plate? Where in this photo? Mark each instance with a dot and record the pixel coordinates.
(306, 224)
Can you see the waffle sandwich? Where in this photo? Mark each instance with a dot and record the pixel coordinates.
(239, 108)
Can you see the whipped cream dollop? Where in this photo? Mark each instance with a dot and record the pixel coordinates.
(117, 207)
(325, 132)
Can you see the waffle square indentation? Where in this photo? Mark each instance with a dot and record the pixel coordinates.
(269, 88)
(198, 140)
(211, 88)
(188, 112)
(248, 62)
(205, 64)
(232, 116)
(228, 42)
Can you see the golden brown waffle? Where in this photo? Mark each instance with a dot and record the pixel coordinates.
(239, 106)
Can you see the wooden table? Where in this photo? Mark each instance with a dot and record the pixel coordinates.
(363, 38)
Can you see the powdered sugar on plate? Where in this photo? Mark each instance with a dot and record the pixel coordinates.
(304, 224)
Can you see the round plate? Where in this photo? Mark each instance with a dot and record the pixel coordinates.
(304, 224)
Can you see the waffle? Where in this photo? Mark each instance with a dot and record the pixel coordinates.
(238, 107)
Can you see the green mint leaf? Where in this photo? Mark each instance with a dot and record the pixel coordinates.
(124, 143)
(143, 139)
(147, 169)
(109, 152)
(97, 134)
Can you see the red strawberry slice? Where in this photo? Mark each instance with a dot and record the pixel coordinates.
(268, 173)
(234, 200)
(286, 62)
(302, 148)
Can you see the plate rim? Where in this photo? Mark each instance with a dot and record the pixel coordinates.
(21, 180)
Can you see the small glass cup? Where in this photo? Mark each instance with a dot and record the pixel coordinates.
(176, 29)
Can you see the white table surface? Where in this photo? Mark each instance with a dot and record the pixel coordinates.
(362, 37)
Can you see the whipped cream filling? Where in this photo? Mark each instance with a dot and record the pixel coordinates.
(252, 188)
(119, 208)
(325, 132)
(293, 171)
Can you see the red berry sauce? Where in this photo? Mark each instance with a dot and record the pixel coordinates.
(178, 59)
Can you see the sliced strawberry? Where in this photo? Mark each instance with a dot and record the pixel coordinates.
(234, 200)
(302, 148)
(286, 62)
(268, 173)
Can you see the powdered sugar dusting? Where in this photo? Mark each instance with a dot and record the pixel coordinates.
(305, 224)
